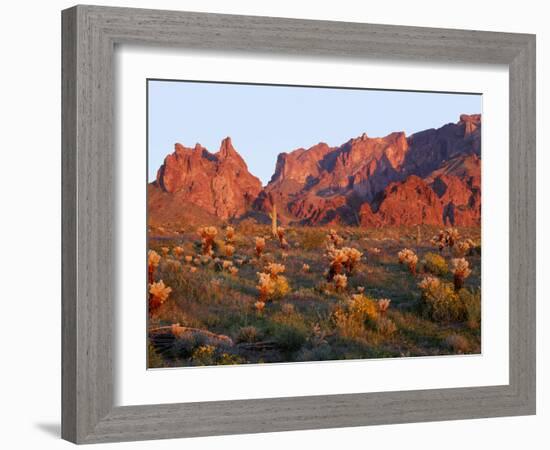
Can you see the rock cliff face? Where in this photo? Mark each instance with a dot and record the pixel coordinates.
(410, 202)
(220, 183)
(374, 181)
(430, 149)
(431, 177)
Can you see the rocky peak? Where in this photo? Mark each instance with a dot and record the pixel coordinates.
(301, 164)
(306, 180)
(218, 182)
(470, 122)
(226, 149)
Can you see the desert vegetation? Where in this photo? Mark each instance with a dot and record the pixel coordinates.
(245, 292)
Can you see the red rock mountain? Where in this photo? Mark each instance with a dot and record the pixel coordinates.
(219, 183)
(430, 177)
(409, 202)
(377, 181)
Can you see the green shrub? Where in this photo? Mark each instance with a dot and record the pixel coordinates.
(282, 287)
(205, 355)
(289, 330)
(435, 264)
(312, 239)
(248, 334)
(230, 359)
(472, 302)
(290, 338)
(359, 312)
(441, 303)
(154, 360)
(185, 346)
(364, 308)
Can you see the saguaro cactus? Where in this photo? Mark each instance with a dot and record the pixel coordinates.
(273, 215)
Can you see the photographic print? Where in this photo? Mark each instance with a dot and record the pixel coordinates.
(288, 224)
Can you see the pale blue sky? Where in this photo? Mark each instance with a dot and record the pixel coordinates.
(264, 121)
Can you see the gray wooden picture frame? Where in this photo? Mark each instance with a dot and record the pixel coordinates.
(90, 34)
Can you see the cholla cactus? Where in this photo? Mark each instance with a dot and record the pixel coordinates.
(375, 250)
(461, 271)
(229, 234)
(189, 259)
(383, 305)
(448, 237)
(229, 250)
(408, 257)
(305, 268)
(334, 239)
(439, 240)
(340, 282)
(353, 257)
(260, 306)
(153, 260)
(165, 251)
(278, 287)
(274, 269)
(233, 271)
(178, 251)
(266, 286)
(346, 257)
(429, 283)
(405, 255)
(463, 247)
(281, 236)
(360, 289)
(338, 258)
(452, 236)
(158, 293)
(227, 265)
(260, 245)
(207, 234)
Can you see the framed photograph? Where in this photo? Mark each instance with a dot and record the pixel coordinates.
(277, 224)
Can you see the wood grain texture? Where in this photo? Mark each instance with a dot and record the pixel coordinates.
(89, 37)
(68, 225)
